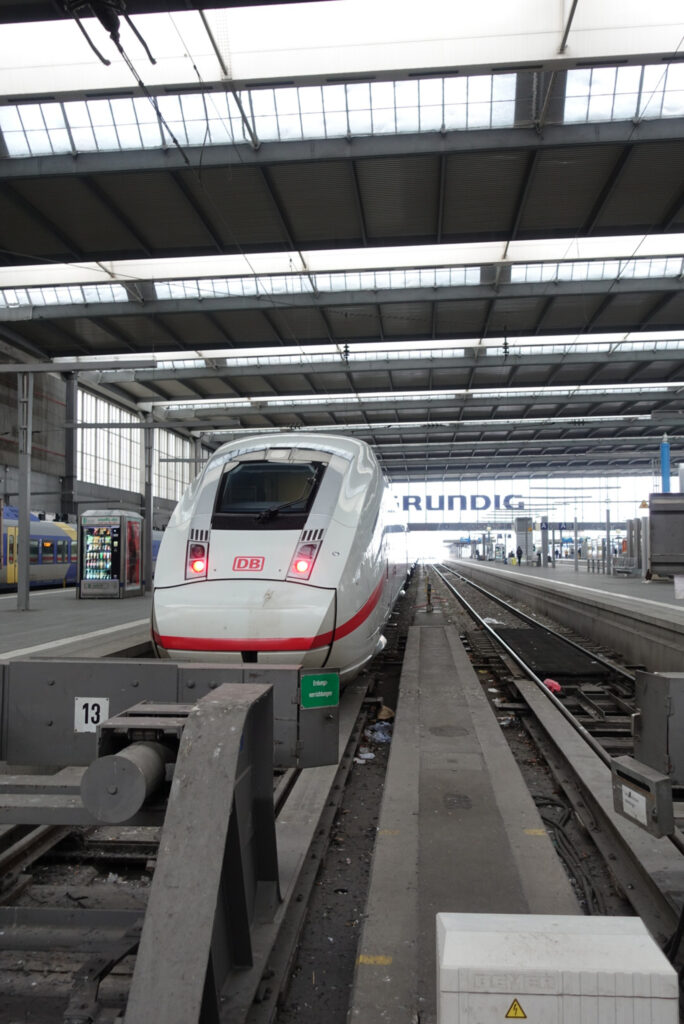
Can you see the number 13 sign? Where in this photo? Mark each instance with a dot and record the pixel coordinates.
(89, 712)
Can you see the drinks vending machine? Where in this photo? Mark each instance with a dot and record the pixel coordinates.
(110, 554)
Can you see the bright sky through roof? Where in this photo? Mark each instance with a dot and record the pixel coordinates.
(335, 37)
(331, 260)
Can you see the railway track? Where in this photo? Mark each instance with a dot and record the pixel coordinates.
(576, 731)
(597, 693)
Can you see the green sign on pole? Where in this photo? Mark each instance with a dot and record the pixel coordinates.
(320, 689)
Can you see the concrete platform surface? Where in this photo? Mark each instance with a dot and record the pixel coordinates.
(57, 622)
(458, 831)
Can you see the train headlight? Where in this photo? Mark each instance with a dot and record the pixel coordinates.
(303, 561)
(196, 561)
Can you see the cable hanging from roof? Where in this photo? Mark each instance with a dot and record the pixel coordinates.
(109, 14)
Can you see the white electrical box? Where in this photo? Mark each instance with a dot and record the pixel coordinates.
(498, 968)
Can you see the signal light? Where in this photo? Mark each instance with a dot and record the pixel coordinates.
(303, 561)
(196, 561)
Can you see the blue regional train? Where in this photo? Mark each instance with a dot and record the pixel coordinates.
(53, 552)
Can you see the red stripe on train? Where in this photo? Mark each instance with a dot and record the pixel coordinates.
(298, 643)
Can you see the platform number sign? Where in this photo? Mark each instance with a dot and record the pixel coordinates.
(89, 712)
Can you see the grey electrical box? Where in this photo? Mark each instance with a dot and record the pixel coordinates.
(643, 795)
(666, 534)
(658, 725)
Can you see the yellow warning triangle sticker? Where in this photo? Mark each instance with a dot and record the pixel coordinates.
(516, 1011)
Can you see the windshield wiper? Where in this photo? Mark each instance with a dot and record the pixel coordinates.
(270, 513)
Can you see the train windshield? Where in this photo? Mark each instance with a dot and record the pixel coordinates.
(277, 495)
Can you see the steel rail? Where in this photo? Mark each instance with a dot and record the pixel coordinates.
(584, 733)
(539, 625)
(677, 840)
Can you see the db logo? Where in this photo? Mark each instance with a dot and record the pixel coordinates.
(243, 563)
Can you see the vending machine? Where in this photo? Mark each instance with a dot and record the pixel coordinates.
(110, 554)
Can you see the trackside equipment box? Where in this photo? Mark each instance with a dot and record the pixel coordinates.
(500, 968)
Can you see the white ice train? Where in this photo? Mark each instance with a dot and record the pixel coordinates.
(287, 549)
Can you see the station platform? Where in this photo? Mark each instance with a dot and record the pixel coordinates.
(659, 590)
(643, 621)
(458, 830)
(59, 623)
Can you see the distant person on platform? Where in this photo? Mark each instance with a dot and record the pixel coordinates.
(519, 554)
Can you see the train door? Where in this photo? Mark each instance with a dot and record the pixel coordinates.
(12, 538)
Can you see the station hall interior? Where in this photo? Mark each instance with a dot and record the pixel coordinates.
(459, 242)
(452, 231)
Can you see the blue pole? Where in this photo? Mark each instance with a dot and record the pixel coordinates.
(665, 464)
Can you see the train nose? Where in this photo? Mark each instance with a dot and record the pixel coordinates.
(274, 621)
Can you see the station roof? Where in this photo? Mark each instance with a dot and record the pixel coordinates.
(461, 241)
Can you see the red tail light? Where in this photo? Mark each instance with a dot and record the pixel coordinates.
(303, 561)
(196, 560)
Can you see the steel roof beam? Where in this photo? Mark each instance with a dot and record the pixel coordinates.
(562, 136)
(610, 289)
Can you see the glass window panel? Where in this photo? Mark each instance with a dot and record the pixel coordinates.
(290, 126)
(603, 81)
(39, 142)
(600, 107)
(150, 135)
(10, 120)
(503, 114)
(267, 128)
(193, 107)
(407, 119)
(313, 126)
(31, 116)
(123, 111)
(144, 110)
(360, 122)
(503, 87)
(61, 143)
(455, 116)
(430, 91)
(52, 115)
(335, 125)
(100, 112)
(628, 79)
(83, 138)
(625, 106)
(286, 101)
(358, 96)
(196, 132)
(311, 100)
(382, 94)
(430, 118)
(106, 138)
(455, 90)
(479, 89)
(334, 98)
(77, 114)
(473, 275)
(220, 132)
(384, 121)
(129, 136)
(479, 115)
(576, 110)
(578, 82)
(17, 144)
(652, 92)
(406, 94)
(262, 102)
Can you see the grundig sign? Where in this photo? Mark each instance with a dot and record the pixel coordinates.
(449, 502)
